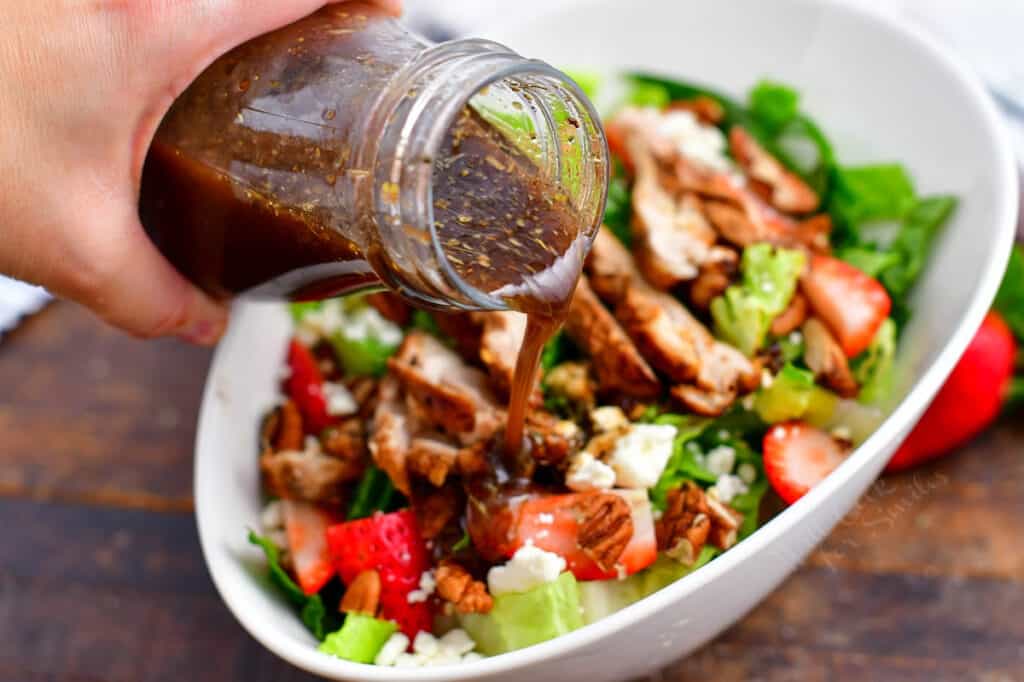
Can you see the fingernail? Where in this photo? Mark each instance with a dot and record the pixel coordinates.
(203, 332)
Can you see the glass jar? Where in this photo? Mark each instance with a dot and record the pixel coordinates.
(342, 152)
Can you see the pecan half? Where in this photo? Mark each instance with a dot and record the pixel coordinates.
(792, 317)
(281, 429)
(605, 527)
(725, 523)
(457, 586)
(827, 360)
(684, 526)
(363, 595)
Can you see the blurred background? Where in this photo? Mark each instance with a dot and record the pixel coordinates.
(101, 577)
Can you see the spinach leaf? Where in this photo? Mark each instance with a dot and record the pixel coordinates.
(619, 206)
(774, 104)
(863, 194)
(311, 608)
(914, 242)
(375, 492)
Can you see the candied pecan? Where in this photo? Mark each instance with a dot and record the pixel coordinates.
(309, 476)
(281, 429)
(346, 439)
(792, 317)
(605, 525)
(456, 585)
(725, 523)
(572, 381)
(363, 595)
(684, 526)
(706, 109)
(551, 439)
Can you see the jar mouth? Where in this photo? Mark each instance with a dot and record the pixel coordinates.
(535, 107)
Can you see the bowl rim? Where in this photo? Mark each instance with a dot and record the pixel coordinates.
(868, 454)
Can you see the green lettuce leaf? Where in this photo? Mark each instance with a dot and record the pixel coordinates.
(311, 608)
(873, 369)
(914, 242)
(619, 207)
(682, 465)
(744, 313)
(774, 104)
(589, 81)
(863, 194)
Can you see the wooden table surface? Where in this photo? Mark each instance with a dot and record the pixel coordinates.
(102, 580)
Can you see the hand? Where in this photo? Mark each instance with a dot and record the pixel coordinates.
(83, 87)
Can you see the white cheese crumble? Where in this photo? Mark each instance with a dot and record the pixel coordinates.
(545, 518)
(529, 567)
(641, 454)
(356, 324)
(747, 473)
(721, 460)
(455, 646)
(272, 517)
(842, 433)
(727, 487)
(702, 144)
(426, 588)
(340, 402)
(767, 378)
(608, 418)
(392, 649)
(589, 473)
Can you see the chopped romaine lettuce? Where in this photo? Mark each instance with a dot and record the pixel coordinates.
(864, 194)
(311, 608)
(359, 639)
(749, 504)
(362, 357)
(520, 619)
(1010, 300)
(300, 309)
(601, 598)
(648, 95)
(914, 241)
(375, 492)
(873, 369)
(683, 464)
(743, 315)
(774, 104)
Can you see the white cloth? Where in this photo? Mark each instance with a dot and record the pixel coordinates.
(985, 32)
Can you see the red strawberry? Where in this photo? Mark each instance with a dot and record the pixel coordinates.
(852, 304)
(306, 527)
(969, 401)
(551, 523)
(392, 545)
(305, 385)
(797, 456)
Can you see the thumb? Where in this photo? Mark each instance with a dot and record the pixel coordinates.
(136, 289)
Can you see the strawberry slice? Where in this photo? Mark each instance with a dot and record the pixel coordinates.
(390, 544)
(852, 304)
(305, 385)
(306, 526)
(797, 456)
(970, 400)
(552, 524)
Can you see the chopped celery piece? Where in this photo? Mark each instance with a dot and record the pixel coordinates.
(359, 639)
(794, 395)
(521, 619)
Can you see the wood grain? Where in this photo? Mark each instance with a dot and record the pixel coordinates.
(102, 579)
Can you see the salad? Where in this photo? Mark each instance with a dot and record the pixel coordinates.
(731, 341)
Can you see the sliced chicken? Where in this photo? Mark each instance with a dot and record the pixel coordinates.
(392, 433)
(704, 403)
(706, 109)
(716, 274)
(783, 189)
(672, 236)
(617, 363)
(451, 395)
(309, 476)
(610, 267)
(827, 360)
(432, 456)
(790, 319)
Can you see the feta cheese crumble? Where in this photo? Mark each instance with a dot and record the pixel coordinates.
(529, 567)
(721, 460)
(641, 454)
(340, 402)
(747, 473)
(455, 646)
(426, 588)
(608, 418)
(727, 487)
(586, 472)
(702, 144)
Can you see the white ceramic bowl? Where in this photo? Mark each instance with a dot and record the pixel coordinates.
(882, 92)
